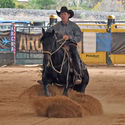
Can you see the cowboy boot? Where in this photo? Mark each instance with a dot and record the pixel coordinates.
(76, 63)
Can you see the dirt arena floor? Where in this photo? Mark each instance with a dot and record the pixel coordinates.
(104, 105)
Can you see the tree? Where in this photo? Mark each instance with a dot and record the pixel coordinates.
(7, 4)
(33, 5)
(42, 4)
(22, 5)
(110, 6)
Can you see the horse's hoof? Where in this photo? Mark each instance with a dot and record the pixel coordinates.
(39, 81)
(65, 94)
(47, 94)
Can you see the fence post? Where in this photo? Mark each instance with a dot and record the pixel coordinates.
(13, 41)
(52, 20)
(111, 20)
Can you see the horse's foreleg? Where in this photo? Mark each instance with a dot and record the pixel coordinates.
(66, 87)
(45, 87)
(65, 92)
(46, 91)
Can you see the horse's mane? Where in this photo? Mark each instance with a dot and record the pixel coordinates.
(47, 34)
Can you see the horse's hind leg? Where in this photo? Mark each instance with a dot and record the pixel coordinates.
(85, 81)
(81, 87)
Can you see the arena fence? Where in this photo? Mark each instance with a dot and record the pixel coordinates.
(21, 44)
(101, 44)
(96, 43)
(118, 44)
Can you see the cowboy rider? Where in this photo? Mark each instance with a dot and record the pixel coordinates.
(72, 34)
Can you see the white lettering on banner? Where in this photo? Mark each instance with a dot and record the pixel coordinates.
(30, 43)
(22, 43)
(89, 42)
(12, 38)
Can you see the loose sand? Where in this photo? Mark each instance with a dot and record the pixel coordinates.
(21, 103)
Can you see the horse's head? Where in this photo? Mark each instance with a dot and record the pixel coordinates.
(48, 41)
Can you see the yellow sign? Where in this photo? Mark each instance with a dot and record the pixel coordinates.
(94, 58)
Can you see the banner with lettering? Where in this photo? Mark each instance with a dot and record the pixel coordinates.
(5, 42)
(28, 42)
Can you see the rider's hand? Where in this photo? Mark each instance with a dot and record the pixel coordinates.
(66, 37)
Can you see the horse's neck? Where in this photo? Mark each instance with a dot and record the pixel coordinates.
(57, 58)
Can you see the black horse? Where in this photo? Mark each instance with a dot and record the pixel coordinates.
(57, 67)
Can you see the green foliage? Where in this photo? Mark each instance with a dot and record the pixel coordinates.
(7, 4)
(32, 4)
(93, 5)
(42, 4)
(22, 5)
(95, 8)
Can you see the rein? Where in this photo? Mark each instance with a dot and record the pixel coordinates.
(47, 52)
(63, 62)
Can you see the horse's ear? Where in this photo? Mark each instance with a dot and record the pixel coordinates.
(53, 32)
(43, 31)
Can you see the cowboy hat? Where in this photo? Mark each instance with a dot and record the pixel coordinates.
(64, 9)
